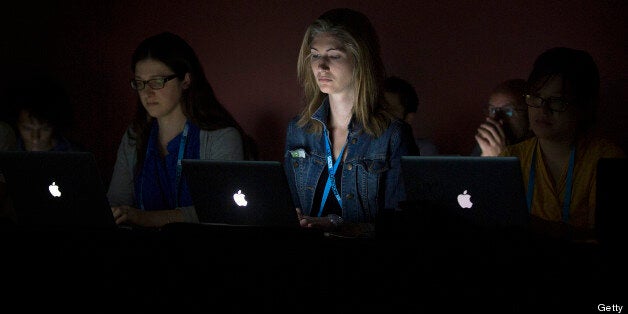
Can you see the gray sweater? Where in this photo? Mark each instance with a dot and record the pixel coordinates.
(223, 144)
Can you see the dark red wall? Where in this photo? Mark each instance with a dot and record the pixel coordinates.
(453, 52)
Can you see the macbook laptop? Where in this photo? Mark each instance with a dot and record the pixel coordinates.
(485, 192)
(55, 189)
(610, 213)
(244, 193)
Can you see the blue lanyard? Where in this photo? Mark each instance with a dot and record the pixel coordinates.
(182, 142)
(568, 183)
(331, 168)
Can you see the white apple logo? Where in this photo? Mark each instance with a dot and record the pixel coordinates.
(54, 190)
(239, 198)
(464, 200)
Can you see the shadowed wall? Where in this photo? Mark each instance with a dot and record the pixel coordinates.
(453, 52)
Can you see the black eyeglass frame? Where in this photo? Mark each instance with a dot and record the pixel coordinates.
(548, 102)
(163, 80)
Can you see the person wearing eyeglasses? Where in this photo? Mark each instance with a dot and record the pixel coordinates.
(506, 119)
(178, 117)
(559, 162)
(343, 151)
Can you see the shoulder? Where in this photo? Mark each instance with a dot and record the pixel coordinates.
(294, 122)
(600, 146)
(128, 138)
(520, 148)
(426, 147)
(399, 128)
(296, 130)
(224, 133)
(225, 143)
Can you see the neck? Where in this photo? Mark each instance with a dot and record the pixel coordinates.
(170, 126)
(555, 149)
(340, 111)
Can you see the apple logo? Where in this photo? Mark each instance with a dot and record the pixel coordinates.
(464, 200)
(239, 198)
(54, 190)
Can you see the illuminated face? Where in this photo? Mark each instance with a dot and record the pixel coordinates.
(332, 65)
(160, 103)
(548, 124)
(36, 135)
(503, 106)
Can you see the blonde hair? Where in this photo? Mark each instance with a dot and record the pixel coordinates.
(355, 32)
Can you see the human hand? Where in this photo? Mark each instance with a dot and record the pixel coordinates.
(323, 223)
(125, 214)
(491, 137)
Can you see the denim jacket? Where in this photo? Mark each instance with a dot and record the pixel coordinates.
(371, 178)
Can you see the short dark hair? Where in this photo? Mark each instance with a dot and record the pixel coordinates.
(407, 95)
(43, 98)
(513, 87)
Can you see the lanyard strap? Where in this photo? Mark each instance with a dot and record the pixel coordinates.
(568, 183)
(331, 168)
(182, 143)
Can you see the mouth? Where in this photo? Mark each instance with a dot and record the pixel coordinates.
(543, 122)
(324, 79)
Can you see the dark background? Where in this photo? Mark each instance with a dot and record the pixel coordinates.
(453, 52)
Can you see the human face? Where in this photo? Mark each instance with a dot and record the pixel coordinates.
(332, 65)
(36, 135)
(552, 125)
(517, 123)
(164, 102)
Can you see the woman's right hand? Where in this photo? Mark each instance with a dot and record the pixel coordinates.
(323, 223)
(125, 214)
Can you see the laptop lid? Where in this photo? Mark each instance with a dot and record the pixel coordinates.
(246, 193)
(487, 192)
(49, 189)
(610, 213)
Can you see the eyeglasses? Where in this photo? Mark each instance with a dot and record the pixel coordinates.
(156, 83)
(507, 111)
(554, 104)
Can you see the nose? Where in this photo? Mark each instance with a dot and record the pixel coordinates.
(146, 90)
(35, 135)
(545, 108)
(322, 63)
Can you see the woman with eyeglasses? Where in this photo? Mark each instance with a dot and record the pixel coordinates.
(343, 150)
(506, 119)
(559, 163)
(178, 117)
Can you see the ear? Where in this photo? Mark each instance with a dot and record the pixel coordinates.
(187, 80)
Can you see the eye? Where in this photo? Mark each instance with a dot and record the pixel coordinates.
(314, 56)
(334, 57)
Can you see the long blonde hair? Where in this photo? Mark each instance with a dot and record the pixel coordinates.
(355, 32)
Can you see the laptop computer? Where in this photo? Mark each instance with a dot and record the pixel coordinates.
(610, 213)
(484, 192)
(55, 189)
(242, 193)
